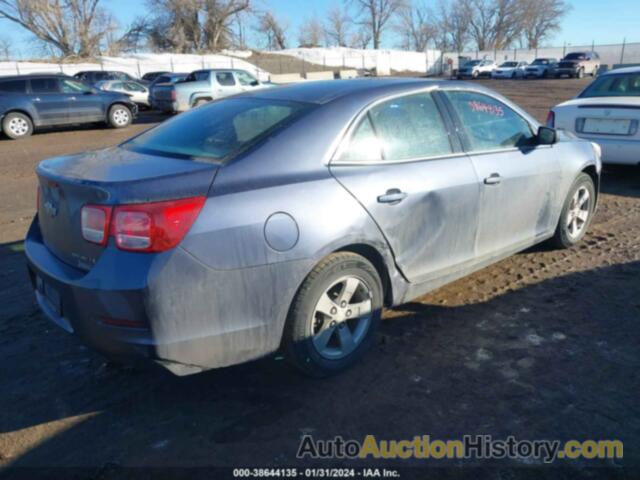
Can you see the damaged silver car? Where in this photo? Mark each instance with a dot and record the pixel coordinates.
(288, 218)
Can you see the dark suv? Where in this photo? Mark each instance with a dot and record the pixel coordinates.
(94, 76)
(32, 101)
(579, 64)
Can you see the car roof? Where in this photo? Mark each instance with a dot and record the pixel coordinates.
(368, 89)
(622, 70)
(36, 75)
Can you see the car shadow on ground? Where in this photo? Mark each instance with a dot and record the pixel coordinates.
(547, 361)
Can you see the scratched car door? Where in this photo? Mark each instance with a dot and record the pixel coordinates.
(517, 178)
(402, 166)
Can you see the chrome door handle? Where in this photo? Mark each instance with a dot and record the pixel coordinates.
(493, 179)
(37, 99)
(72, 98)
(393, 196)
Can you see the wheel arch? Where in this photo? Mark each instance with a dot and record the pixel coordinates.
(19, 110)
(377, 260)
(593, 173)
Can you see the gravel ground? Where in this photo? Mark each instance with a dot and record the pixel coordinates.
(543, 345)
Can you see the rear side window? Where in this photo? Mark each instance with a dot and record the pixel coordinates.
(225, 79)
(218, 130)
(410, 127)
(363, 145)
(404, 128)
(45, 85)
(13, 86)
(488, 123)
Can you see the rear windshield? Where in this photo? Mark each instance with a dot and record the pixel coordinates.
(617, 85)
(218, 130)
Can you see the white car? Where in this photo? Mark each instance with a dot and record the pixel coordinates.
(510, 70)
(139, 93)
(607, 112)
(541, 68)
(476, 68)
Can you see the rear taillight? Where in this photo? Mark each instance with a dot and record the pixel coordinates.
(173, 95)
(94, 221)
(143, 227)
(154, 227)
(551, 119)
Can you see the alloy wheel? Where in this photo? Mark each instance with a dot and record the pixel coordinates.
(579, 211)
(342, 317)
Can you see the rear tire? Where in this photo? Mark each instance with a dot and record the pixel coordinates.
(16, 125)
(577, 213)
(334, 316)
(120, 116)
(200, 101)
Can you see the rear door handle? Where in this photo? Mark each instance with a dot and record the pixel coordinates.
(393, 196)
(72, 98)
(493, 179)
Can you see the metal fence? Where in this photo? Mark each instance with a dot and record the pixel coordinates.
(136, 66)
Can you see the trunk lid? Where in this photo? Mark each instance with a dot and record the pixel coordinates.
(109, 177)
(606, 117)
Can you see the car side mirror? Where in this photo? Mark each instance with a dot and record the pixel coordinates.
(546, 136)
(255, 83)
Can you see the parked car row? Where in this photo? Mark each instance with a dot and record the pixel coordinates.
(32, 101)
(575, 64)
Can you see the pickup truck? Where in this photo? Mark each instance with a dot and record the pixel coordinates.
(202, 86)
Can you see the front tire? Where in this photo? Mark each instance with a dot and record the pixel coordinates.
(120, 116)
(580, 73)
(577, 213)
(17, 125)
(334, 316)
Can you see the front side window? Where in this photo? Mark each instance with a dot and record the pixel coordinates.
(488, 123)
(615, 85)
(225, 79)
(133, 87)
(405, 128)
(45, 85)
(218, 130)
(245, 79)
(71, 86)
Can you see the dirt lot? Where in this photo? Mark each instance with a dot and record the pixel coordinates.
(543, 345)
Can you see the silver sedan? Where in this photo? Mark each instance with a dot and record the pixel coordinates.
(287, 218)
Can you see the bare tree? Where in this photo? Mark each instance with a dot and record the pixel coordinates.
(71, 27)
(453, 26)
(494, 23)
(376, 14)
(336, 27)
(542, 18)
(273, 31)
(186, 26)
(5, 48)
(360, 39)
(311, 33)
(416, 26)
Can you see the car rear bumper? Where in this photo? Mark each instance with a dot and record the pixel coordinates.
(167, 106)
(166, 308)
(617, 150)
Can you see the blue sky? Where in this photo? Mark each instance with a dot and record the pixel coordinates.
(602, 21)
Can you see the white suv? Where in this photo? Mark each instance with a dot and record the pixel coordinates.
(477, 68)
